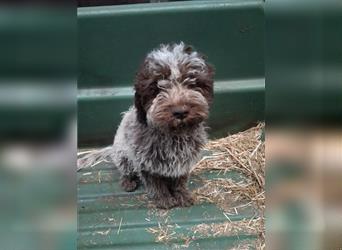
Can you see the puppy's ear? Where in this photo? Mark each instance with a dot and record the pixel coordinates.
(206, 82)
(145, 91)
(139, 87)
(141, 113)
(188, 49)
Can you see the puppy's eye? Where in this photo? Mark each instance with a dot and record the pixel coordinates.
(189, 81)
(195, 86)
(192, 83)
(164, 84)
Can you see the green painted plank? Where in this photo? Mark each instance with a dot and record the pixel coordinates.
(141, 217)
(213, 244)
(140, 237)
(108, 217)
(113, 40)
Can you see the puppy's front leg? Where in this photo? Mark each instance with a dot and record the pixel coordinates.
(129, 182)
(180, 191)
(157, 188)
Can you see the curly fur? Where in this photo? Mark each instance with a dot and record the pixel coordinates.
(153, 144)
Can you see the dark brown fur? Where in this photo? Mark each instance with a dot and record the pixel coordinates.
(167, 192)
(130, 183)
(146, 90)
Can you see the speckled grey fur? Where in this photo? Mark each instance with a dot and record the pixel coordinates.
(138, 148)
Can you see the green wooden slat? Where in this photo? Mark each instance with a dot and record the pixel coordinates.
(212, 244)
(113, 40)
(140, 237)
(103, 208)
(140, 217)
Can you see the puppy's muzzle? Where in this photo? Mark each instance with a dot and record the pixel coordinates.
(180, 113)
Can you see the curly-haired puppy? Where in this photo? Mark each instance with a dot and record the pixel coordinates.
(159, 139)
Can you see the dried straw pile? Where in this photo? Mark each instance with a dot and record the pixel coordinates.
(243, 152)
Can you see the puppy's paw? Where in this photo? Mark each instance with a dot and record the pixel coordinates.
(165, 202)
(184, 198)
(129, 185)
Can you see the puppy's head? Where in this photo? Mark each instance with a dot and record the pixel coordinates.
(173, 88)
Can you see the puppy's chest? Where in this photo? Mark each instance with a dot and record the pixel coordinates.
(169, 155)
(164, 148)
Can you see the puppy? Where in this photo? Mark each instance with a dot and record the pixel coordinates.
(159, 139)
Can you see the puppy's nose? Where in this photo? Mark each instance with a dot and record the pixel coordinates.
(180, 113)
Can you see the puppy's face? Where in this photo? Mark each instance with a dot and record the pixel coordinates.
(174, 88)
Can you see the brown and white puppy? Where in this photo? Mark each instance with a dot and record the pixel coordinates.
(159, 139)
